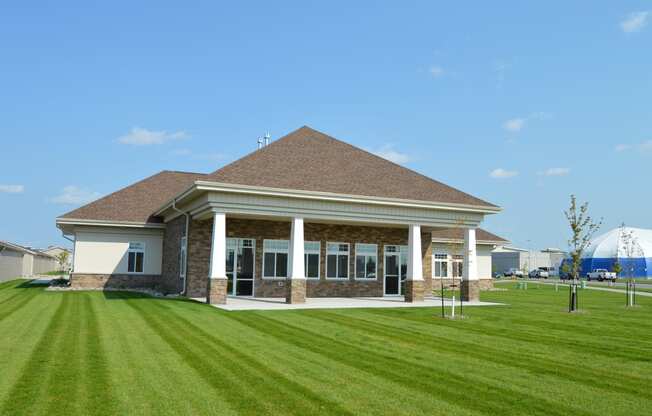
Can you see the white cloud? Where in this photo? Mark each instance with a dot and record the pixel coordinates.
(645, 146)
(12, 189)
(387, 152)
(501, 173)
(514, 125)
(436, 71)
(634, 22)
(73, 195)
(142, 137)
(556, 172)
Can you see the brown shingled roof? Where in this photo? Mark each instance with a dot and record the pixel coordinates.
(313, 161)
(458, 234)
(137, 202)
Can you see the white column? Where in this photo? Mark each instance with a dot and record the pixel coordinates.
(296, 257)
(470, 271)
(218, 247)
(414, 266)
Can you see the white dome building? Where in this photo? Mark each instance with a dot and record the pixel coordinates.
(633, 254)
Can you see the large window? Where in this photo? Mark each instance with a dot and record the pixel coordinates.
(337, 260)
(275, 258)
(312, 249)
(136, 257)
(366, 260)
(458, 265)
(183, 249)
(440, 265)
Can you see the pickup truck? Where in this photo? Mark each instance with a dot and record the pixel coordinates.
(513, 272)
(601, 275)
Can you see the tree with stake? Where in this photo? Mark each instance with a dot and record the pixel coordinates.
(62, 259)
(631, 250)
(583, 228)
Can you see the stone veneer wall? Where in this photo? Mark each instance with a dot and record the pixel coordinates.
(170, 270)
(199, 242)
(485, 284)
(114, 281)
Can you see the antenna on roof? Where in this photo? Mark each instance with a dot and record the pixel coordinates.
(264, 141)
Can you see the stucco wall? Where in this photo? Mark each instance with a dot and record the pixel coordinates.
(104, 250)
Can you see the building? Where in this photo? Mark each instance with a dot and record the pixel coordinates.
(305, 216)
(17, 261)
(55, 251)
(630, 247)
(505, 258)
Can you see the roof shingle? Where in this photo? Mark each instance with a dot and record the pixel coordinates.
(309, 160)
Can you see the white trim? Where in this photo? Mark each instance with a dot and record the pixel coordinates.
(136, 251)
(296, 193)
(337, 263)
(135, 224)
(445, 261)
(478, 242)
(276, 251)
(355, 263)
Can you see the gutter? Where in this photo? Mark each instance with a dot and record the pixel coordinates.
(73, 241)
(185, 266)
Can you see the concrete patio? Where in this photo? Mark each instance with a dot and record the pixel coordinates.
(255, 304)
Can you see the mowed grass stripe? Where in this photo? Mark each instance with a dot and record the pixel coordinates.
(604, 378)
(243, 379)
(445, 385)
(27, 394)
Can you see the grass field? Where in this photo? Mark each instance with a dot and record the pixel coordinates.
(119, 353)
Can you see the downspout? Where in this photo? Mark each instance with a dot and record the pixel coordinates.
(73, 241)
(185, 266)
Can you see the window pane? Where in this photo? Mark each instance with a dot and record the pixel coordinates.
(331, 265)
(444, 269)
(343, 248)
(312, 265)
(360, 267)
(139, 262)
(270, 259)
(131, 262)
(371, 267)
(312, 246)
(281, 265)
(331, 248)
(343, 266)
(437, 269)
(370, 249)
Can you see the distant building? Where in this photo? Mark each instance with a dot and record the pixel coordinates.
(505, 258)
(17, 261)
(55, 251)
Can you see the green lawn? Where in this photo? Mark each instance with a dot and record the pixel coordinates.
(119, 353)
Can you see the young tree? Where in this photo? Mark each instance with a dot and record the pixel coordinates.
(62, 258)
(631, 250)
(583, 228)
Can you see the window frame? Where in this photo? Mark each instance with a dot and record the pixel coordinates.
(443, 258)
(457, 260)
(136, 251)
(337, 263)
(276, 252)
(306, 252)
(366, 257)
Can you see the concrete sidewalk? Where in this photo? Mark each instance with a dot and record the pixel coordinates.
(250, 304)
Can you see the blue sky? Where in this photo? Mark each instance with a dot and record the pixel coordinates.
(520, 104)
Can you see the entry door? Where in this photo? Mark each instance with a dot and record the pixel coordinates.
(240, 258)
(395, 269)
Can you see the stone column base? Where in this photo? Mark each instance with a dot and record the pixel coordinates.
(470, 290)
(414, 290)
(296, 291)
(216, 291)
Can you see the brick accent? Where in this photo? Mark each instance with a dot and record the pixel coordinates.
(199, 241)
(216, 291)
(470, 290)
(485, 284)
(296, 291)
(414, 290)
(170, 281)
(114, 281)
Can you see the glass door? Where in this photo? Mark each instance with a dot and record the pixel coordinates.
(240, 257)
(395, 270)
